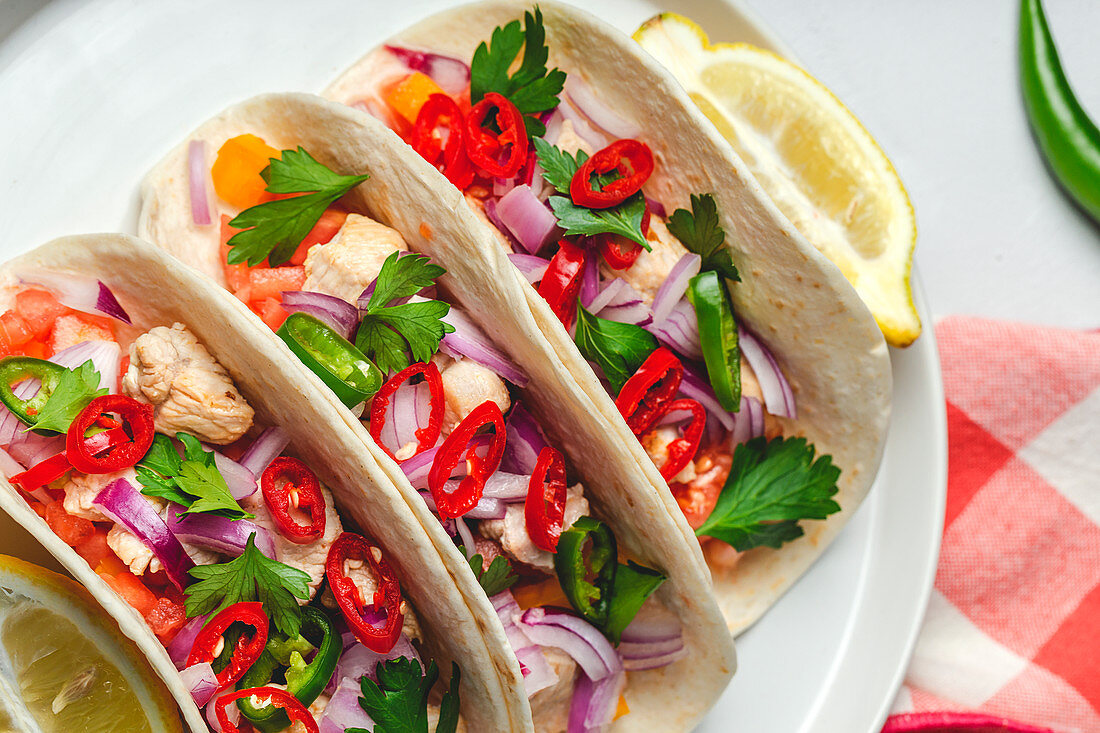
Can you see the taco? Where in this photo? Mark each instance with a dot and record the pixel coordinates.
(711, 336)
(155, 441)
(599, 608)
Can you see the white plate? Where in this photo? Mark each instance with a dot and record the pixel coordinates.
(93, 93)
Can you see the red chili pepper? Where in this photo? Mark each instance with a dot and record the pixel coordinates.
(645, 393)
(561, 284)
(54, 467)
(427, 436)
(138, 416)
(379, 639)
(544, 508)
(295, 710)
(632, 159)
(619, 252)
(479, 469)
(300, 491)
(249, 646)
(683, 449)
(442, 111)
(484, 148)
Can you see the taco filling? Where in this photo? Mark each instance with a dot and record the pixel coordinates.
(141, 454)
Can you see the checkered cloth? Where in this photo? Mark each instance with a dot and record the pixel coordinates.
(1012, 630)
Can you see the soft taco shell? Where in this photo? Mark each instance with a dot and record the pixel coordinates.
(814, 323)
(156, 290)
(409, 195)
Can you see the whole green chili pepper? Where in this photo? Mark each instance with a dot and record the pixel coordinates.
(351, 376)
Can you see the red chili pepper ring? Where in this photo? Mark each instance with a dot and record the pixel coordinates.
(426, 436)
(248, 649)
(351, 547)
(302, 491)
(544, 507)
(137, 416)
(632, 159)
(682, 449)
(479, 469)
(484, 148)
(645, 393)
(294, 709)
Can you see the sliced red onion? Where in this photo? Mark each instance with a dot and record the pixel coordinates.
(341, 315)
(696, 388)
(343, 710)
(507, 487)
(675, 285)
(656, 208)
(224, 535)
(525, 442)
(589, 648)
(489, 206)
(470, 341)
(196, 174)
(486, 508)
(553, 127)
(358, 661)
(653, 639)
(84, 294)
(679, 331)
(11, 427)
(30, 448)
(264, 449)
(778, 397)
(201, 681)
(409, 411)
(8, 465)
(537, 674)
(106, 357)
(645, 650)
(122, 503)
(466, 537)
(595, 139)
(502, 186)
(595, 702)
(180, 646)
(232, 712)
(749, 421)
(581, 95)
(530, 266)
(451, 74)
(241, 481)
(590, 280)
(655, 662)
(527, 218)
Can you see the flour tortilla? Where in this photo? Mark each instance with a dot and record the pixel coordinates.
(814, 323)
(156, 290)
(409, 195)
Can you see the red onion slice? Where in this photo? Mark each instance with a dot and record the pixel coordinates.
(576, 637)
(596, 140)
(553, 128)
(341, 315)
(451, 74)
(778, 397)
(527, 218)
(409, 411)
(695, 387)
(486, 508)
(200, 681)
(680, 331)
(507, 487)
(466, 537)
(531, 267)
(8, 465)
(524, 443)
(232, 712)
(655, 662)
(537, 674)
(180, 646)
(602, 116)
(122, 504)
(196, 174)
(224, 535)
(343, 710)
(470, 341)
(263, 451)
(675, 285)
(590, 279)
(241, 482)
(106, 357)
(84, 294)
(595, 702)
(358, 661)
(656, 208)
(749, 421)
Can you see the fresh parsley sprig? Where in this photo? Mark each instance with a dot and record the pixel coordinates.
(193, 481)
(531, 87)
(398, 702)
(617, 348)
(387, 333)
(74, 390)
(274, 229)
(700, 232)
(498, 577)
(772, 485)
(250, 577)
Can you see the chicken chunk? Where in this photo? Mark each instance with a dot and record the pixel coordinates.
(550, 705)
(346, 266)
(130, 549)
(188, 389)
(82, 489)
(511, 531)
(466, 384)
(651, 268)
(570, 141)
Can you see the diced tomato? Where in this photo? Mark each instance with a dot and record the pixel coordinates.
(322, 233)
(37, 349)
(129, 586)
(546, 593)
(39, 309)
(76, 328)
(72, 530)
(270, 311)
(14, 332)
(38, 507)
(271, 283)
(166, 618)
(111, 565)
(94, 550)
(698, 498)
(407, 96)
(236, 276)
(236, 171)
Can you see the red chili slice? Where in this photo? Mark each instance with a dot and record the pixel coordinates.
(137, 416)
(451, 159)
(485, 148)
(470, 488)
(54, 467)
(632, 159)
(683, 449)
(427, 436)
(619, 252)
(381, 638)
(294, 709)
(544, 508)
(248, 649)
(561, 284)
(300, 491)
(645, 393)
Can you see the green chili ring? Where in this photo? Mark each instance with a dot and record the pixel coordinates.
(351, 376)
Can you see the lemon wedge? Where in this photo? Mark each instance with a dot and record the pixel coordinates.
(812, 157)
(65, 666)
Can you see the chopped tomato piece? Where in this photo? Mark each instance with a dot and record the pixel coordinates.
(236, 171)
(270, 311)
(94, 550)
(111, 565)
(407, 96)
(72, 530)
(38, 507)
(39, 309)
(76, 328)
(37, 349)
(14, 332)
(546, 593)
(271, 283)
(166, 618)
(697, 498)
(322, 233)
(236, 276)
(127, 585)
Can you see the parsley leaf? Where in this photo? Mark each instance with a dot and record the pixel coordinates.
(701, 233)
(771, 486)
(497, 577)
(274, 229)
(193, 481)
(617, 348)
(398, 702)
(250, 577)
(74, 390)
(389, 333)
(531, 88)
(211, 492)
(558, 166)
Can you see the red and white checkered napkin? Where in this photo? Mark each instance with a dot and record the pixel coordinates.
(1012, 631)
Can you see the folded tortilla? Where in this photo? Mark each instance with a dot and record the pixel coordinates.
(156, 290)
(820, 332)
(409, 195)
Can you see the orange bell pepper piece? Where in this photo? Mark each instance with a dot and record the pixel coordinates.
(236, 171)
(407, 96)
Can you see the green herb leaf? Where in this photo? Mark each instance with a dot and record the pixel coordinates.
(250, 577)
(274, 229)
(210, 491)
(402, 275)
(617, 348)
(398, 702)
(558, 166)
(701, 233)
(772, 485)
(193, 481)
(633, 584)
(498, 577)
(625, 219)
(75, 389)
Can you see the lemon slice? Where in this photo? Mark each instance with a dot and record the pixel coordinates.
(812, 157)
(64, 665)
